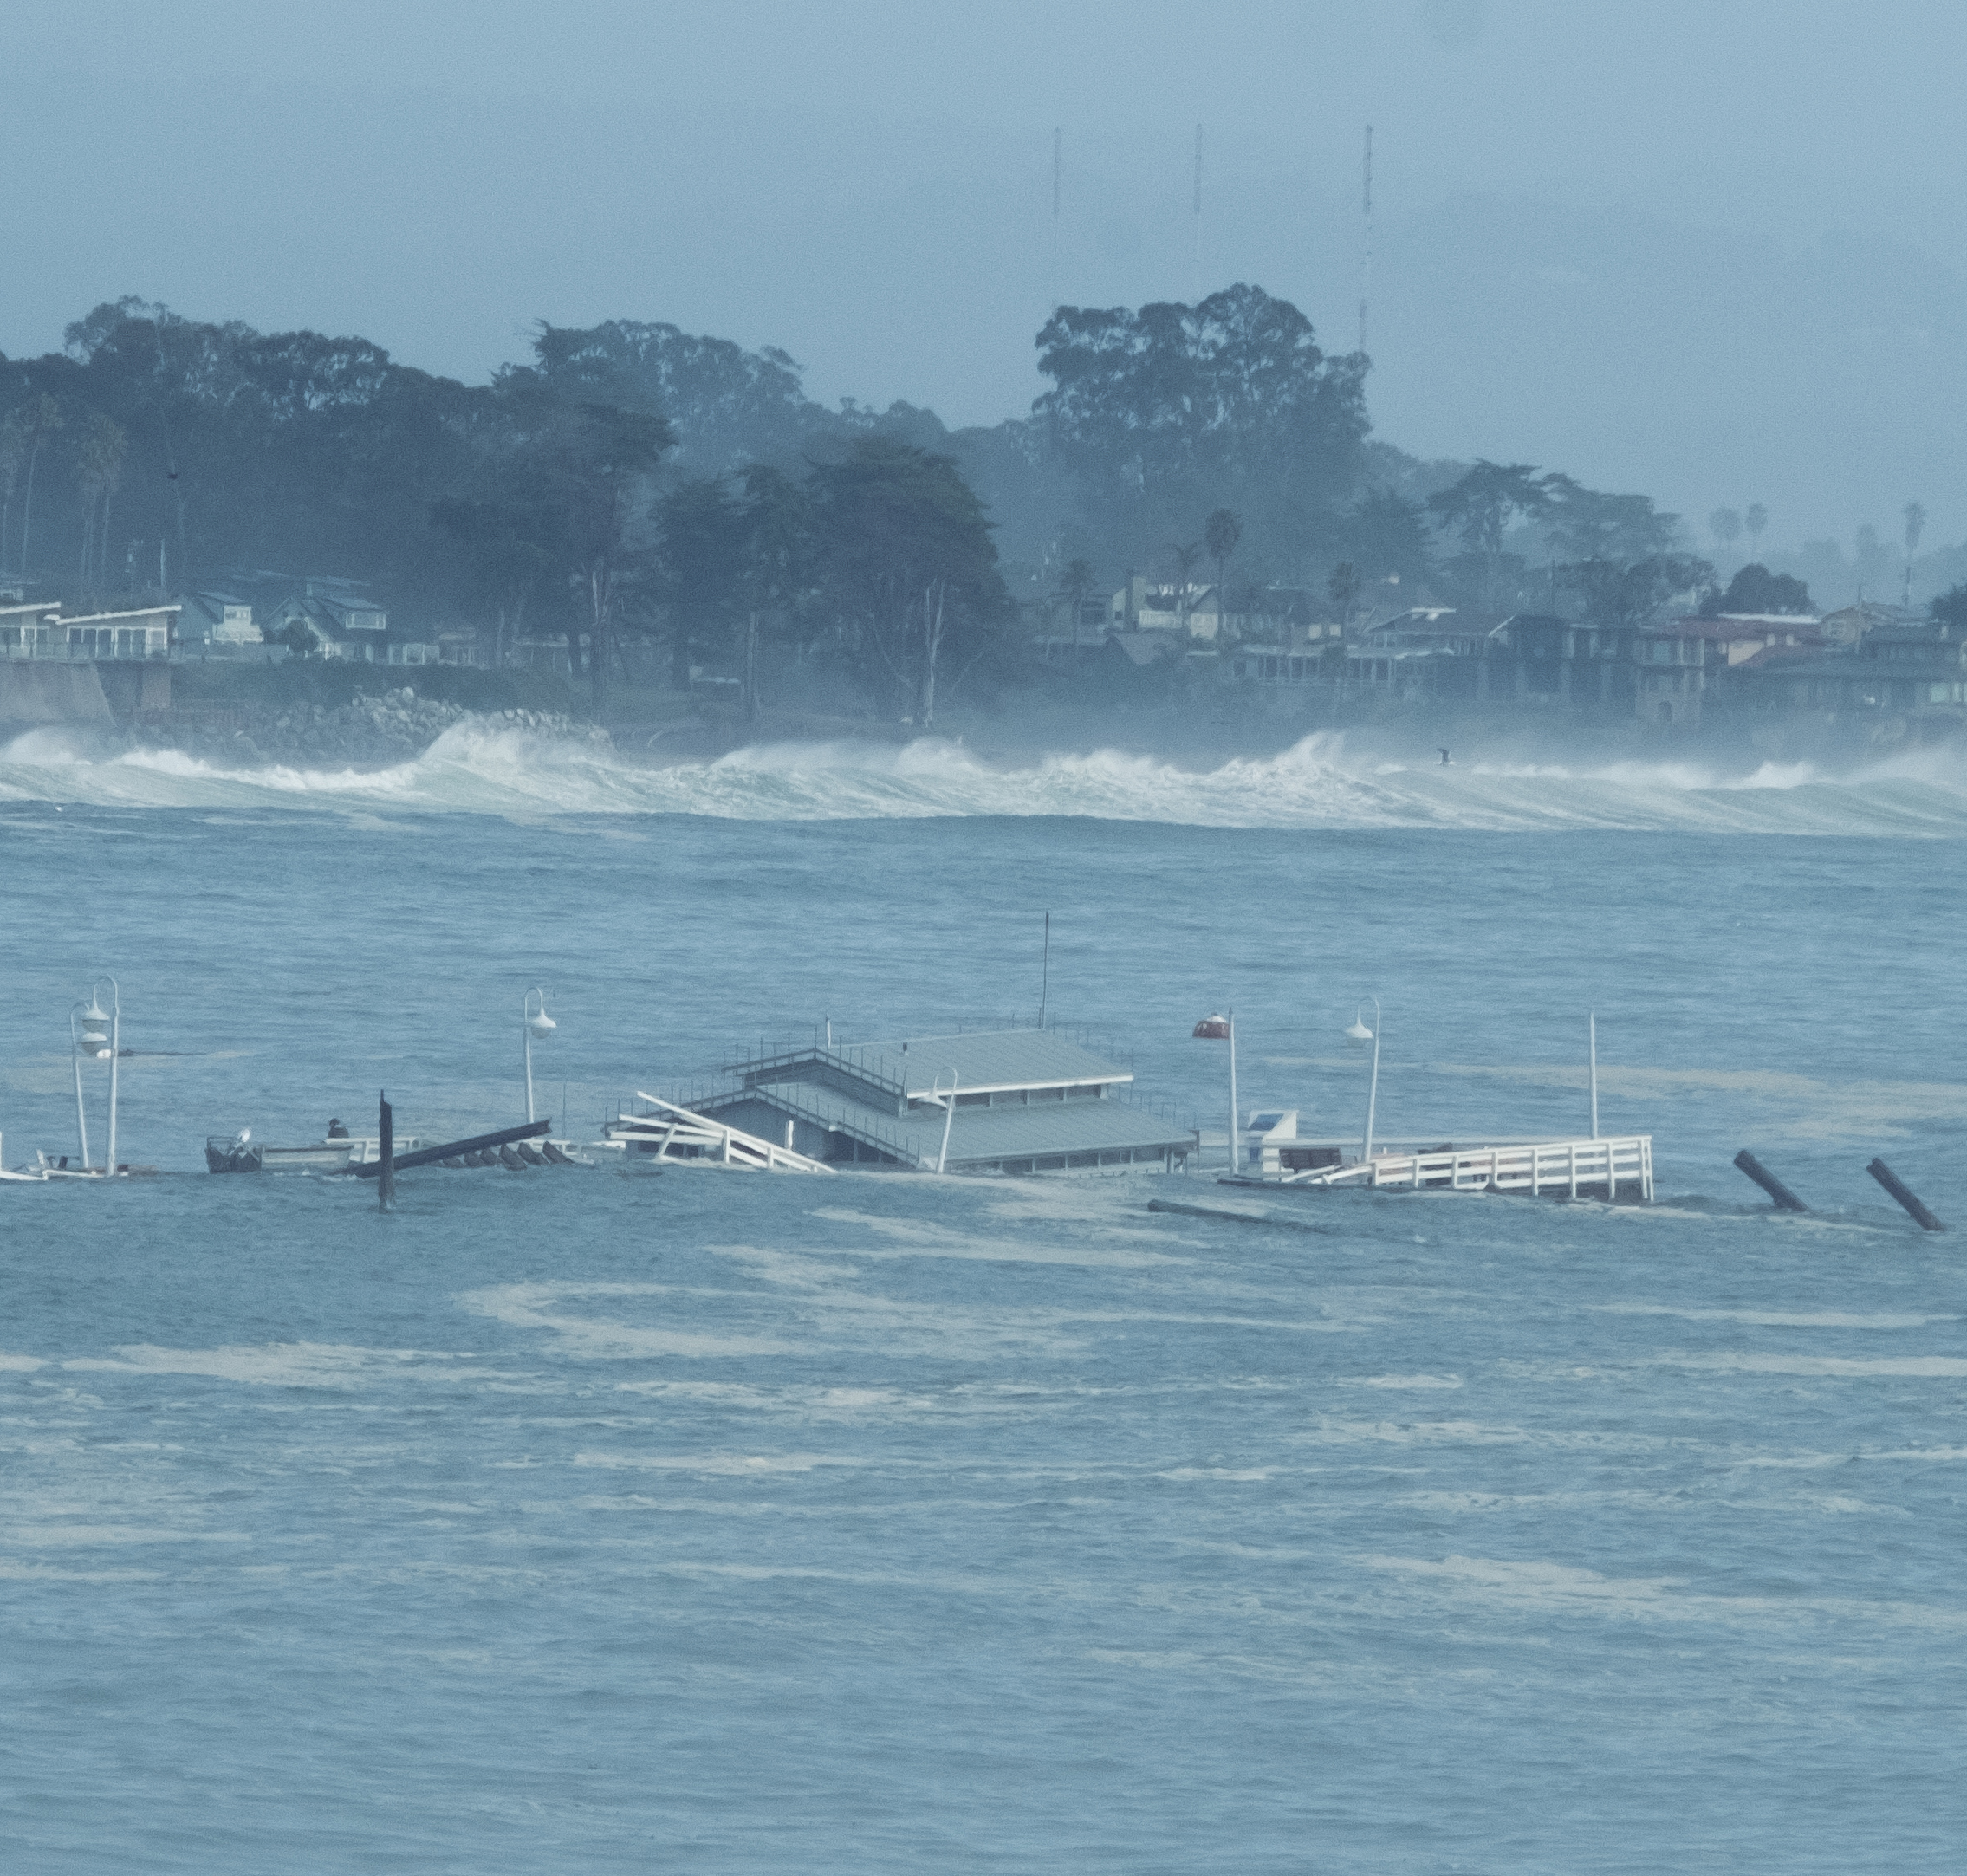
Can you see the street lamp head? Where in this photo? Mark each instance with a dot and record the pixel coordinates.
(539, 1024)
(1357, 1031)
(95, 1040)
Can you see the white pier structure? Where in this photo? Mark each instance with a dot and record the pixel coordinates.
(673, 1134)
(1608, 1169)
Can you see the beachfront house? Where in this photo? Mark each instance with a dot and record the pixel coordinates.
(208, 619)
(330, 618)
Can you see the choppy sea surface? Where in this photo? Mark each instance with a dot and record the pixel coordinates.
(721, 1523)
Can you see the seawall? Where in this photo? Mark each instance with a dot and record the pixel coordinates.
(34, 691)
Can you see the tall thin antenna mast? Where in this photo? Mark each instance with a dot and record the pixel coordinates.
(1058, 170)
(1196, 269)
(1366, 259)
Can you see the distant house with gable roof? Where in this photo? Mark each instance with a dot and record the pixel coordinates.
(336, 619)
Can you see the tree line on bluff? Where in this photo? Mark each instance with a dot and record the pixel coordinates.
(662, 497)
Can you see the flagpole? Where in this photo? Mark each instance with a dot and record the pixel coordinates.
(1234, 1165)
(1595, 1075)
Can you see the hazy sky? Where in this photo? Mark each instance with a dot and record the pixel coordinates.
(1702, 249)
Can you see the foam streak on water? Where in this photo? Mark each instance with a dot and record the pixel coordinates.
(1319, 782)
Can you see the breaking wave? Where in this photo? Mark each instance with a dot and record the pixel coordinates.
(1317, 783)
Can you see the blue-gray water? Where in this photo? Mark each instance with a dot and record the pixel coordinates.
(720, 1524)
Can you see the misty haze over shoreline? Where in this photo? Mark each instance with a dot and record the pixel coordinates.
(1617, 244)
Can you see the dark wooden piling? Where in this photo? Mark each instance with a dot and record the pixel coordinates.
(1905, 1194)
(1785, 1199)
(386, 1165)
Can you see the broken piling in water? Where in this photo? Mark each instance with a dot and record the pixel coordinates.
(1905, 1196)
(1785, 1199)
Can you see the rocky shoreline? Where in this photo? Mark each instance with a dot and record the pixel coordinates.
(372, 732)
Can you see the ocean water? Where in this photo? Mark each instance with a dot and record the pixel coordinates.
(583, 1522)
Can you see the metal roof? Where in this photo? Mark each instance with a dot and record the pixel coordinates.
(995, 1059)
(978, 1136)
(981, 1059)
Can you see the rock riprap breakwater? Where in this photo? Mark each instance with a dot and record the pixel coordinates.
(369, 731)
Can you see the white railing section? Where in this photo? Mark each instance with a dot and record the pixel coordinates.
(677, 1133)
(1546, 1169)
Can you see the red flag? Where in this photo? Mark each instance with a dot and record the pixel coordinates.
(1213, 1030)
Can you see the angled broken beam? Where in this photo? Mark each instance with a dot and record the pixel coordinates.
(477, 1143)
(1785, 1199)
(1905, 1194)
(1240, 1217)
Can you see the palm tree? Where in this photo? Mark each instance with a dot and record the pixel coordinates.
(1075, 581)
(1184, 557)
(1915, 526)
(1220, 534)
(1344, 588)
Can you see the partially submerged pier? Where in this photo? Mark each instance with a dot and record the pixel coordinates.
(992, 1100)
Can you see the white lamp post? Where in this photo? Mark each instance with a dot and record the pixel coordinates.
(115, 1061)
(1356, 1031)
(534, 1024)
(1595, 1075)
(99, 1037)
(949, 1115)
(76, 1042)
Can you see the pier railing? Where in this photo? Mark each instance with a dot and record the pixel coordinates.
(1571, 1169)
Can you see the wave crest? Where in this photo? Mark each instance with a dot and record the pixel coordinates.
(1318, 782)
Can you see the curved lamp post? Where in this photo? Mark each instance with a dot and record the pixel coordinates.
(1356, 1031)
(76, 1041)
(536, 1024)
(99, 1037)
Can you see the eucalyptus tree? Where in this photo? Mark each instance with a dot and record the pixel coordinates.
(1388, 535)
(1483, 505)
(13, 457)
(1163, 412)
(701, 527)
(907, 570)
(100, 446)
(41, 419)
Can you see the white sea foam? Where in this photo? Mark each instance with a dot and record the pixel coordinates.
(1318, 782)
(1401, 1381)
(540, 1305)
(1827, 1367)
(276, 1364)
(1779, 1319)
(727, 1465)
